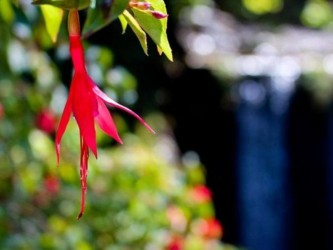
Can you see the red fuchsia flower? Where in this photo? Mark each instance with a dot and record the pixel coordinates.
(87, 103)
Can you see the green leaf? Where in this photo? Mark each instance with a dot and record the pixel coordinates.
(6, 11)
(65, 4)
(123, 22)
(104, 12)
(159, 5)
(140, 34)
(155, 28)
(53, 17)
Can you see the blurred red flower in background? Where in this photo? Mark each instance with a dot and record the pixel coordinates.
(176, 243)
(209, 228)
(1, 111)
(51, 184)
(201, 193)
(46, 121)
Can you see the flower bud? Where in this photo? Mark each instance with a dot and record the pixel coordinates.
(158, 14)
(140, 5)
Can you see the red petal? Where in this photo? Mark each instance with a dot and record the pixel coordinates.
(84, 108)
(66, 114)
(108, 100)
(105, 121)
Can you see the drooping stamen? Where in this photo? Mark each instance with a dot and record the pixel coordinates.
(83, 174)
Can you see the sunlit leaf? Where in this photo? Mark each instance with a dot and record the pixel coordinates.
(104, 13)
(140, 34)
(123, 23)
(6, 11)
(65, 4)
(155, 28)
(159, 5)
(53, 17)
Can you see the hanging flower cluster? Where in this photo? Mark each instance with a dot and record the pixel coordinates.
(87, 103)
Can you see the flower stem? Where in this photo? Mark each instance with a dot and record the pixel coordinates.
(74, 23)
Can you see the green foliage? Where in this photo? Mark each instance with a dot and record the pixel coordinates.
(156, 28)
(65, 4)
(6, 11)
(102, 14)
(138, 31)
(144, 22)
(53, 18)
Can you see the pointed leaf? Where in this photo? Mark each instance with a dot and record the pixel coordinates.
(104, 13)
(140, 34)
(53, 17)
(65, 4)
(123, 22)
(158, 5)
(155, 28)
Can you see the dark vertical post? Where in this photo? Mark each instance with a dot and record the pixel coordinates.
(262, 172)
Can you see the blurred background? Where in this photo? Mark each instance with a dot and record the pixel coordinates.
(242, 155)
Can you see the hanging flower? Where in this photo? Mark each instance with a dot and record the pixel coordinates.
(87, 103)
